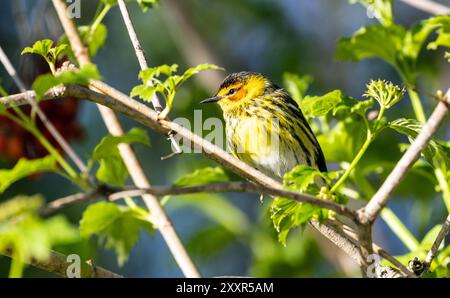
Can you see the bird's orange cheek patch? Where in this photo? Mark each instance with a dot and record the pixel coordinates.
(241, 93)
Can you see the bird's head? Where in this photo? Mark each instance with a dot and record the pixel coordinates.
(239, 88)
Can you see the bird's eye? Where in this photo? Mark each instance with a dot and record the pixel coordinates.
(231, 91)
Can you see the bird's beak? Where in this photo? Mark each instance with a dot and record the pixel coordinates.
(212, 99)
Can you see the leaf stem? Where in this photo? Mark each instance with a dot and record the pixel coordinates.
(16, 269)
(444, 185)
(399, 229)
(51, 149)
(97, 21)
(355, 161)
(417, 105)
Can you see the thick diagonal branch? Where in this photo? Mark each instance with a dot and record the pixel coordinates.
(429, 6)
(437, 242)
(58, 263)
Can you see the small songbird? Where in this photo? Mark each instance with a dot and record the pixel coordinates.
(265, 127)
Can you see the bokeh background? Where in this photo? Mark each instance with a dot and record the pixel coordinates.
(228, 234)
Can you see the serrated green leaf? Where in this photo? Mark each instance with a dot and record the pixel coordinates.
(302, 177)
(152, 72)
(45, 82)
(203, 176)
(297, 85)
(374, 41)
(119, 225)
(40, 47)
(25, 168)
(196, 69)
(333, 102)
(112, 169)
(411, 128)
(287, 214)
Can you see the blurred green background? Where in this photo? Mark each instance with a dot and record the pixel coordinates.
(228, 234)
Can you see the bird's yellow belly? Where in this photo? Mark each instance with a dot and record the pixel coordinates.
(259, 144)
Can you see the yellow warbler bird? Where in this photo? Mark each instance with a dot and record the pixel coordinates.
(265, 127)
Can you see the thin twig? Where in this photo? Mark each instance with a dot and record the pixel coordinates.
(437, 242)
(240, 187)
(135, 169)
(144, 65)
(429, 6)
(210, 188)
(60, 203)
(58, 263)
(50, 127)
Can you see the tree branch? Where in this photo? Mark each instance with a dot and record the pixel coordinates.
(428, 6)
(437, 242)
(57, 263)
(115, 194)
(144, 65)
(135, 169)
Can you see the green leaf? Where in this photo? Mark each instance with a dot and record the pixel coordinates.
(374, 41)
(27, 236)
(93, 40)
(24, 168)
(68, 77)
(297, 85)
(203, 176)
(112, 169)
(167, 88)
(411, 128)
(302, 177)
(343, 141)
(151, 72)
(40, 47)
(333, 102)
(118, 225)
(381, 9)
(196, 69)
(447, 56)
(287, 214)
